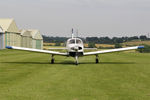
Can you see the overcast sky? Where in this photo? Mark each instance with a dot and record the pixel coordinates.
(90, 17)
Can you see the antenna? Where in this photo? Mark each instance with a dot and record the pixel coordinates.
(77, 33)
(72, 34)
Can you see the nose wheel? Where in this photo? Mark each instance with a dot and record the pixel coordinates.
(97, 60)
(76, 62)
(52, 60)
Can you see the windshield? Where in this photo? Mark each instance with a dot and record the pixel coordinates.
(72, 41)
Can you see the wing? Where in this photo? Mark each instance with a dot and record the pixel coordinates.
(37, 50)
(113, 50)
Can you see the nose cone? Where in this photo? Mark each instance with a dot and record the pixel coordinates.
(76, 48)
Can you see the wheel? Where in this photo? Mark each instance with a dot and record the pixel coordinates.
(97, 61)
(76, 63)
(52, 61)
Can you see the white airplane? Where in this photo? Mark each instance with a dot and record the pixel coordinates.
(75, 48)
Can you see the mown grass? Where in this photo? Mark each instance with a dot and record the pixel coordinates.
(30, 76)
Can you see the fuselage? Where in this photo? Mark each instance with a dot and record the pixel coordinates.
(75, 47)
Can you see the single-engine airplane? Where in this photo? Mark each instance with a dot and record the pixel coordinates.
(75, 48)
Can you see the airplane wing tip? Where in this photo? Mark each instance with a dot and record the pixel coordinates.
(140, 47)
(9, 47)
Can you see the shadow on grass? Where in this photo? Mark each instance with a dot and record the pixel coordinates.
(69, 63)
(65, 62)
(100, 63)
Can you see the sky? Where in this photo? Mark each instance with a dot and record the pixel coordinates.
(98, 18)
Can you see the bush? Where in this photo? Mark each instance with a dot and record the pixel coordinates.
(58, 44)
(118, 45)
(91, 45)
(105, 47)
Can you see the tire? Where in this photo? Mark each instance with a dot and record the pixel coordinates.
(76, 63)
(52, 61)
(97, 61)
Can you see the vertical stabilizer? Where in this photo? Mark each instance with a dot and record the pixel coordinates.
(72, 34)
(77, 33)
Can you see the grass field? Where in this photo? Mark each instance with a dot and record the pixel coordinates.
(29, 76)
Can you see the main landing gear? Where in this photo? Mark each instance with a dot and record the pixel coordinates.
(97, 60)
(52, 60)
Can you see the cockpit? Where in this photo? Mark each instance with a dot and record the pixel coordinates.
(73, 41)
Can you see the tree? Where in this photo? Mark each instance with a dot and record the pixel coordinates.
(143, 37)
(92, 39)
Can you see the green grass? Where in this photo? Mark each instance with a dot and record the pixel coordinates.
(29, 76)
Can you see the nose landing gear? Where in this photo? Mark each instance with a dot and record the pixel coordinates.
(76, 62)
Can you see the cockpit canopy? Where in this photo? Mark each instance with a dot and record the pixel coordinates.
(73, 41)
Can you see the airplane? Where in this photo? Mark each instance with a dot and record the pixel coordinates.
(75, 48)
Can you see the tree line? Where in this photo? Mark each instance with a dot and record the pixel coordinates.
(102, 40)
(97, 40)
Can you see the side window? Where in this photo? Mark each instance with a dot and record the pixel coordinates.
(78, 42)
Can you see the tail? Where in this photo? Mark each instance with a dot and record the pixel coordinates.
(72, 34)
